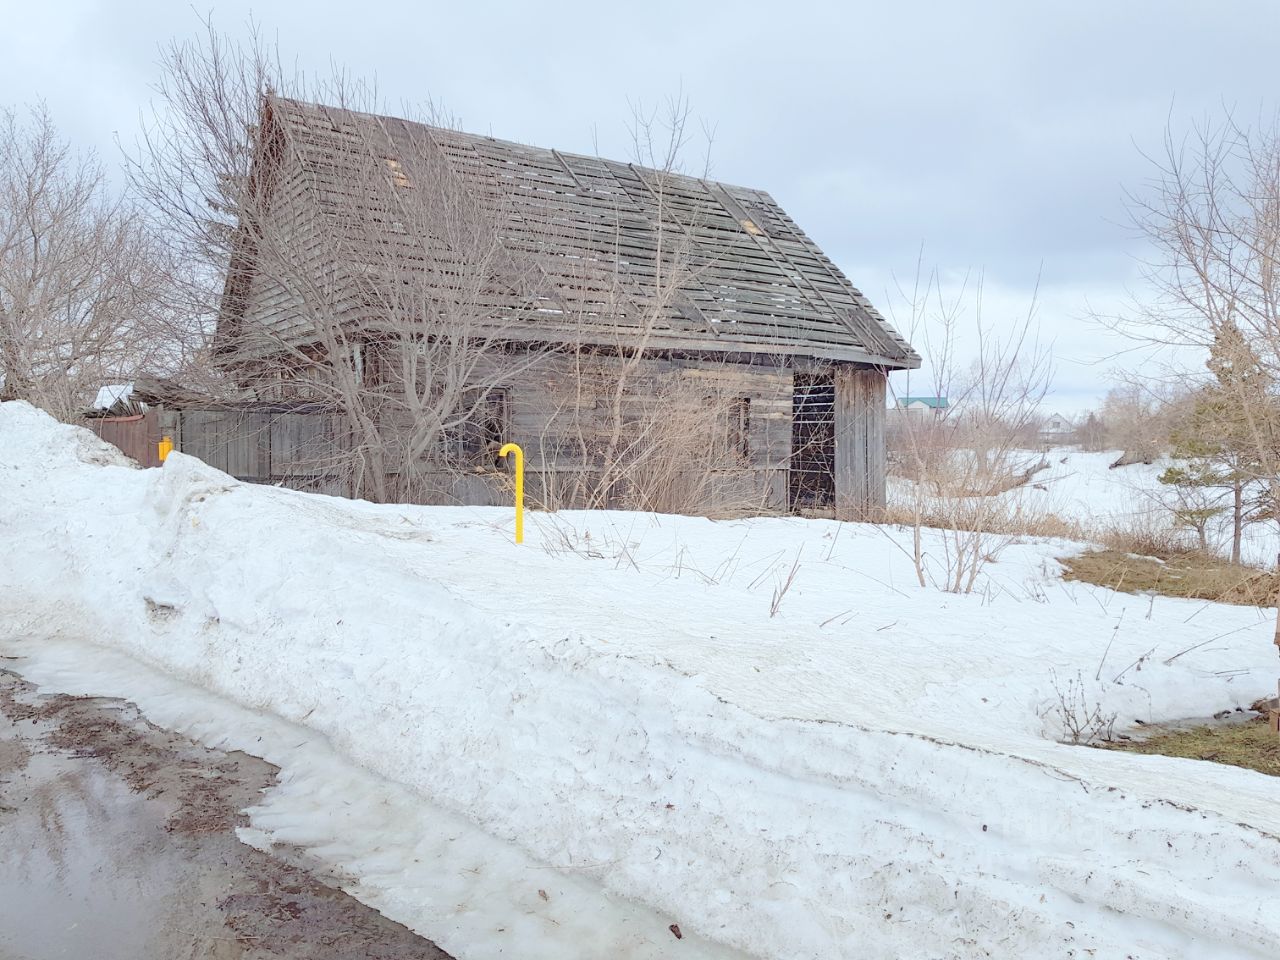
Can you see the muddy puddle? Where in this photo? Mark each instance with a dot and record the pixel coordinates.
(117, 842)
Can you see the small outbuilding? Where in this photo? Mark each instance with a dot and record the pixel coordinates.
(649, 274)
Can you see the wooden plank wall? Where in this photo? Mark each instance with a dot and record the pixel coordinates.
(560, 410)
(860, 453)
(290, 449)
(564, 401)
(554, 406)
(137, 436)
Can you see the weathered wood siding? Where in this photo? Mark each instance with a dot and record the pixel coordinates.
(137, 436)
(561, 410)
(860, 452)
(300, 450)
(562, 413)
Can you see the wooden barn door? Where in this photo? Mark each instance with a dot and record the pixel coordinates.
(859, 442)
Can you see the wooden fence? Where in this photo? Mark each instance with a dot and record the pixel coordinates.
(292, 447)
(136, 435)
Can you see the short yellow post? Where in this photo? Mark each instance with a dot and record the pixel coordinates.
(164, 448)
(514, 448)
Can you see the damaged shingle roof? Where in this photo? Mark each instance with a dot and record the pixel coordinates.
(750, 281)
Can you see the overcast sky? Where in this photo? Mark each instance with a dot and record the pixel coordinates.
(999, 136)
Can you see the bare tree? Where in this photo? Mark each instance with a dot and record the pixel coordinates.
(657, 437)
(1090, 433)
(418, 361)
(1135, 422)
(382, 262)
(1211, 212)
(83, 282)
(961, 464)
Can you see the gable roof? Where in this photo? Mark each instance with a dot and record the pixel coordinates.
(756, 284)
(934, 403)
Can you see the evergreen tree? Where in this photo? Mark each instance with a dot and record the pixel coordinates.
(1222, 439)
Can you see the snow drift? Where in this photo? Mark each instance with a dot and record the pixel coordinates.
(869, 773)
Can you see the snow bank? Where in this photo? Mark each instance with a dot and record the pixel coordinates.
(868, 773)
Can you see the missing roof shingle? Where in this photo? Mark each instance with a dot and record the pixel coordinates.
(398, 176)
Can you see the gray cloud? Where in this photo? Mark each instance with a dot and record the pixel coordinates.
(1001, 137)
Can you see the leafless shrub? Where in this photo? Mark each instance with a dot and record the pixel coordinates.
(1011, 521)
(1080, 721)
(673, 442)
(962, 465)
(1146, 534)
(561, 537)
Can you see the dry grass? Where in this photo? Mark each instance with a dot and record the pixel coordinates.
(1252, 745)
(1187, 574)
(1009, 523)
(1150, 534)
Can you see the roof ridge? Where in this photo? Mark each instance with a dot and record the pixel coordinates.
(452, 131)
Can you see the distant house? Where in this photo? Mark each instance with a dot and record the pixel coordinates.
(924, 405)
(1057, 429)
(766, 317)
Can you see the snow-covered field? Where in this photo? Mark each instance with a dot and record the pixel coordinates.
(1082, 486)
(610, 715)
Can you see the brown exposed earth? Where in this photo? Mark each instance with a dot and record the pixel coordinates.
(118, 840)
(1239, 740)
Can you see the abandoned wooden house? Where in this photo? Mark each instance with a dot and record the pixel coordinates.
(573, 305)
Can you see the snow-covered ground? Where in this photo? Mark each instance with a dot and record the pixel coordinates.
(1082, 487)
(611, 710)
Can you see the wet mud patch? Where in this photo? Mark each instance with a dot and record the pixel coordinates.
(1246, 741)
(117, 840)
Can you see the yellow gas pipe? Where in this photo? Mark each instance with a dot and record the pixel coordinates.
(514, 448)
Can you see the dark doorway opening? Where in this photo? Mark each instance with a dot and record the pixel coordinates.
(813, 442)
